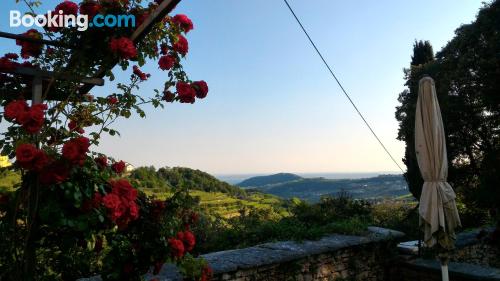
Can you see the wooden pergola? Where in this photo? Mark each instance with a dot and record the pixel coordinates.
(39, 76)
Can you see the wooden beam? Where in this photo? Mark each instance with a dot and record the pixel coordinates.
(157, 15)
(29, 71)
(35, 40)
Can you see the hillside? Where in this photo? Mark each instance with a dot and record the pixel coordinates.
(228, 206)
(312, 189)
(267, 180)
(215, 196)
(181, 177)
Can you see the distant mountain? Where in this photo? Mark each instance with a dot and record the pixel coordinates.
(267, 180)
(312, 189)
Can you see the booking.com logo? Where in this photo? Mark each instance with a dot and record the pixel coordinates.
(81, 22)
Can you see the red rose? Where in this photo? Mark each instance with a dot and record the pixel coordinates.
(55, 173)
(73, 126)
(114, 205)
(164, 49)
(41, 161)
(112, 100)
(180, 235)
(30, 157)
(75, 150)
(201, 89)
(67, 7)
(185, 92)
(133, 211)
(118, 167)
(157, 208)
(30, 49)
(123, 47)
(71, 151)
(32, 119)
(189, 240)
(7, 64)
(15, 108)
(123, 189)
(194, 217)
(176, 247)
(206, 273)
(96, 200)
(90, 8)
(102, 161)
(25, 154)
(166, 62)
(181, 46)
(168, 96)
(183, 22)
(137, 71)
(92, 203)
(120, 203)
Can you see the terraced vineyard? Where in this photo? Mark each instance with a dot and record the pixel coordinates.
(226, 205)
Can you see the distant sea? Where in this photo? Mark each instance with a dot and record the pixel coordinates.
(237, 178)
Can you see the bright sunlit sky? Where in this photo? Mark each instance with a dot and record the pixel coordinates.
(272, 106)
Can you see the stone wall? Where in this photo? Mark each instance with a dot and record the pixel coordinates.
(372, 257)
(474, 247)
(336, 257)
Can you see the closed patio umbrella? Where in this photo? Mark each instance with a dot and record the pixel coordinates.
(437, 209)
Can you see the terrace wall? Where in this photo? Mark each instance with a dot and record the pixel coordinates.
(335, 257)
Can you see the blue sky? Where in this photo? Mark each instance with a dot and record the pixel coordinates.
(272, 105)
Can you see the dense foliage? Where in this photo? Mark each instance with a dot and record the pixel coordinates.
(466, 72)
(180, 177)
(74, 214)
(340, 214)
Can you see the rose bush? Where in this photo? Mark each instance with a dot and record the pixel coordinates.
(75, 214)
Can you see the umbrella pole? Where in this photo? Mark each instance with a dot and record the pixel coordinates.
(444, 258)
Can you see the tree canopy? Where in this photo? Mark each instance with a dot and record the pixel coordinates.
(466, 72)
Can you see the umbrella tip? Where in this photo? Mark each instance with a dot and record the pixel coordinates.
(425, 77)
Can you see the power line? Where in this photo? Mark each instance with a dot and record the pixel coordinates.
(340, 85)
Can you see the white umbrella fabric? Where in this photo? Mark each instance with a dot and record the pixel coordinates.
(438, 212)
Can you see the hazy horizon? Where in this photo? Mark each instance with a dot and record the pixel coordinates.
(237, 178)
